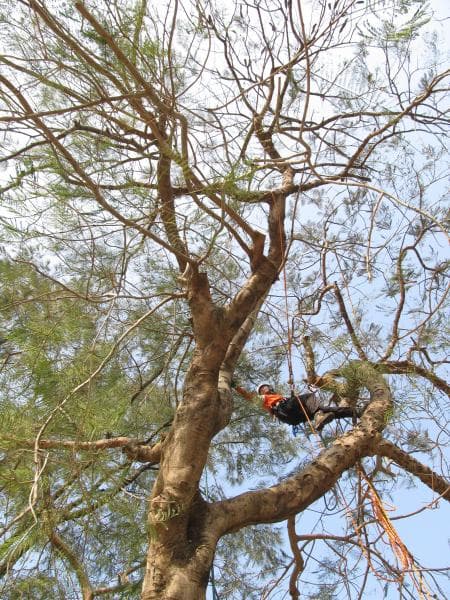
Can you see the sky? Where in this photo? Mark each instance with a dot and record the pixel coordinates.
(426, 534)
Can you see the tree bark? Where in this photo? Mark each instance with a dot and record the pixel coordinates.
(185, 529)
(407, 462)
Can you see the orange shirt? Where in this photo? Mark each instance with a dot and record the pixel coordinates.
(268, 400)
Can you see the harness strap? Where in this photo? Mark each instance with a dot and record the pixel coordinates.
(306, 415)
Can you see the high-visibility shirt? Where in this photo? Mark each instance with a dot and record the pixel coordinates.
(268, 401)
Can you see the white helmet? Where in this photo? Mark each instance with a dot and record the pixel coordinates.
(269, 385)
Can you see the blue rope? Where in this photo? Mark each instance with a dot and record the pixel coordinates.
(211, 577)
(213, 585)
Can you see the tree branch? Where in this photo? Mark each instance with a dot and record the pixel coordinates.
(72, 559)
(229, 363)
(145, 454)
(343, 310)
(299, 563)
(404, 460)
(293, 495)
(117, 442)
(407, 367)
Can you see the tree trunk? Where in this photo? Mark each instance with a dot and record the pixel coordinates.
(180, 556)
(182, 541)
(184, 528)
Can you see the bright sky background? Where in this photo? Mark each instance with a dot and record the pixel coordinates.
(426, 535)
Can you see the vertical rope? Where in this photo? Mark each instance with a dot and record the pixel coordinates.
(286, 308)
(212, 578)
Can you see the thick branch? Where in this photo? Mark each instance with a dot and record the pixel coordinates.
(294, 495)
(406, 461)
(168, 210)
(310, 362)
(132, 447)
(207, 318)
(144, 454)
(229, 363)
(117, 442)
(239, 340)
(267, 269)
(407, 367)
(299, 491)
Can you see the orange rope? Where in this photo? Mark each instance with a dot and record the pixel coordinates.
(399, 549)
(310, 423)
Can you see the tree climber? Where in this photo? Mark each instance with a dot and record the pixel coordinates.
(297, 408)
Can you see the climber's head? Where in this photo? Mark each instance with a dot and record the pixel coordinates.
(265, 388)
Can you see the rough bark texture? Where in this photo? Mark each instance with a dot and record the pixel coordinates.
(186, 529)
(404, 460)
(182, 548)
(127, 144)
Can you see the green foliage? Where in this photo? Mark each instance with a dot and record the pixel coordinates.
(259, 545)
(96, 334)
(48, 340)
(40, 587)
(390, 31)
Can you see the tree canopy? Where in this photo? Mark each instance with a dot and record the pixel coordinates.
(202, 193)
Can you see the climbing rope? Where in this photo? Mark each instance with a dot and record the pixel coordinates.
(286, 308)
(399, 549)
(212, 578)
(381, 517)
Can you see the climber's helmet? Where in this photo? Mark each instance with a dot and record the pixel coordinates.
(265, 388)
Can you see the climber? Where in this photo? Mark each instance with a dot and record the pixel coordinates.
(297, 408)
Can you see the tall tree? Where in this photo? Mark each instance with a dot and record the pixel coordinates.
(197, 192)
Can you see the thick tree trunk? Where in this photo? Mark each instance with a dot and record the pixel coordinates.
(180, 556)
(182, 541)
(184, 529)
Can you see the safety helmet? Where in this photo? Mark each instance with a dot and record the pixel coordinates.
(269, 385)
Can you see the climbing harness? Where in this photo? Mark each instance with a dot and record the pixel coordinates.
(295, 430)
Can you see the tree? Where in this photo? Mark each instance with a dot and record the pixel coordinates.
(197, 192)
